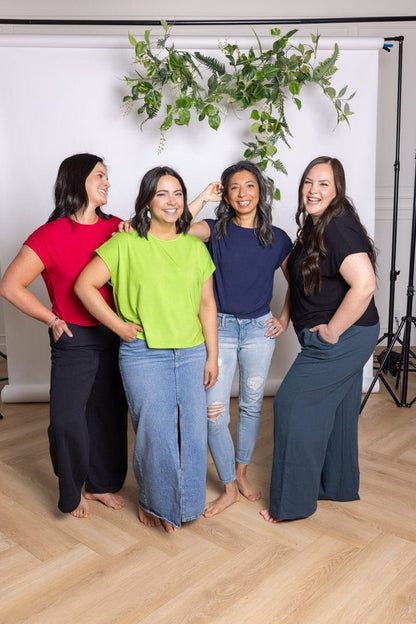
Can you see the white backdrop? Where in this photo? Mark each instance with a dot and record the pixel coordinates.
(63, 95)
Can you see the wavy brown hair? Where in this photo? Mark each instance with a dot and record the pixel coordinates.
(314, 243)
(225, 212)
(147, 191)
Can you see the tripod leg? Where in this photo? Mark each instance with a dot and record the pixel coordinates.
(382, 363)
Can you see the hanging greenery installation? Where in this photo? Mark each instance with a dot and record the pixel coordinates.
(176, 84)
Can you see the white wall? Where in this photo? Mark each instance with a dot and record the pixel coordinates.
(127, 9)
(75, 90)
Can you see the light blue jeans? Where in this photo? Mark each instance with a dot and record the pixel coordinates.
(166, 397)
(241, 340)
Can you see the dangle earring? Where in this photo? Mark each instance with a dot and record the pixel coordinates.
(149, 215)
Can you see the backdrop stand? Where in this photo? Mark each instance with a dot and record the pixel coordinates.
(404, 357)
(393, 273)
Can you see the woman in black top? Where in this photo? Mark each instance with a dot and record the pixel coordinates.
(332, 282)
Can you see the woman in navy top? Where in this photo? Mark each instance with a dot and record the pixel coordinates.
(247, 250)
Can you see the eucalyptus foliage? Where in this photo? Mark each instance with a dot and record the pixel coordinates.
(177, 84)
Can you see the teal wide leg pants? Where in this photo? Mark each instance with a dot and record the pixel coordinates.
(316, 413)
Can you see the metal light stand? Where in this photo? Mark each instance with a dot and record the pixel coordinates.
(404, 363)
(390, 362)
(393, 272)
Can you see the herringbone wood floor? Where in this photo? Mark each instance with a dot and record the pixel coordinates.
(348, 563)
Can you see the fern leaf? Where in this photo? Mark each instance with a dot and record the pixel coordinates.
(279, 166)
(213, 64)
(327, 66)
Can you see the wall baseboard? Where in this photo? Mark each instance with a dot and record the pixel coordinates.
(25, 393)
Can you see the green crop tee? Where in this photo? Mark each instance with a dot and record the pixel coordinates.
(157, 284)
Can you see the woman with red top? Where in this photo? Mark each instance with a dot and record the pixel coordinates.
(87, 432)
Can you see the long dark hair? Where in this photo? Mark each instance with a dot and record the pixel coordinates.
(225, 213)
(147, 191)
(70, 192)
(314, 243)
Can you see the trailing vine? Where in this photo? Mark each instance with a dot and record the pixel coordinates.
(177, 83)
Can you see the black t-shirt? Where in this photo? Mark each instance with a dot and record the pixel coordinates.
(342, 237)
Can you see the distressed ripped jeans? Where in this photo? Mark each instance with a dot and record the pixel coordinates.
(243, 341)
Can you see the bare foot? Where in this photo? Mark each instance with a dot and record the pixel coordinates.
(148, 519)
(115, 501)
(83, 510)
(169, 528)
(268, 517)
(246, 488)
(228, 498)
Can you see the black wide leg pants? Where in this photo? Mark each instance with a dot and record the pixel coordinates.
(88, 414)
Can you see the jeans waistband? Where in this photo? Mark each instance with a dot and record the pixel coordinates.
(224, 318)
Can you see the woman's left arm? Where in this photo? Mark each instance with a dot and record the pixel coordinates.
(208, 318)
(278, 326)
(358, 272)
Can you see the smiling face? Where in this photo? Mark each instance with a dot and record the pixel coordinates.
(97, 186)
(318, 190)
(167, 204)
(243, 196)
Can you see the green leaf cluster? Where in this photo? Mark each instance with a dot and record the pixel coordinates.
(177, 84)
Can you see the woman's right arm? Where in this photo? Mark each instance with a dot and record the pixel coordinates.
(212, 193)
(284, 317)
(87, 286)
(24, 269)
(278, 326)
(201, 230)
(208, 317)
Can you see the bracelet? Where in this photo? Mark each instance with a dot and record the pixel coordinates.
(50, 325)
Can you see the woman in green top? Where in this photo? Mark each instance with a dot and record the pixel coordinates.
(166, 319)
